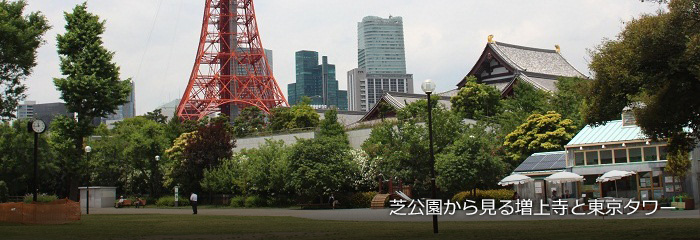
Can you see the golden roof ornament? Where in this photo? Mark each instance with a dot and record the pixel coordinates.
(491, 38)
(557, 48)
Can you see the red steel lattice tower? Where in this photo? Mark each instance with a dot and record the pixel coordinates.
(231, 71)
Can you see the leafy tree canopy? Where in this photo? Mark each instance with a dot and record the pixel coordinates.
(655, 60)
(330, 127)
(471, 161)
(319, 166)
(251, 120)
(20, 37)
(92, 87)
(156, 116)
(548, 132)
(476, 101)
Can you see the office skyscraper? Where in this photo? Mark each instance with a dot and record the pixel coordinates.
(381, 61)
(380, 45)
(316, 81)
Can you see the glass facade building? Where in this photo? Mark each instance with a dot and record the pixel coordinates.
(381, 62)
(380, 47)
(316, 81)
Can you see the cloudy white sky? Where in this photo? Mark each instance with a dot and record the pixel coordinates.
(155, 40)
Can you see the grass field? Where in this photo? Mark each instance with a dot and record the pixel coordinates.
(230, 227)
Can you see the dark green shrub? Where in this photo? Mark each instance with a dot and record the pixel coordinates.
(254, 201)
(237, 201)
(42, 198)
(3, 192)
(359, 200)
(169, 201)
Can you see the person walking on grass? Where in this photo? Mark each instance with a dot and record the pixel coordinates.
(193, 202)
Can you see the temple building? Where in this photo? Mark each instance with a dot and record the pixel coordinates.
(502, 65)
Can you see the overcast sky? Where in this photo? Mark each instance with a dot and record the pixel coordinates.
(155, 40)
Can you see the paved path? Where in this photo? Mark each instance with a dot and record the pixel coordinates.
(376, 214)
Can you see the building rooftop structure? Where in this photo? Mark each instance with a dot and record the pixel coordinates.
(502, 64)
(397, 101)
(544, 161)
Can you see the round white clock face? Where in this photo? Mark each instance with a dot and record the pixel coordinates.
(38, 126)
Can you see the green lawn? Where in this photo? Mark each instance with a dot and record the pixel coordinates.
(231, 227)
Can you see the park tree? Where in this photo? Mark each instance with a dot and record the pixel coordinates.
(193, 152)
(280, 117)
(304, 116)
(318, 167)
(267, 169)
(541, 132)
(654, 61)
(251, 120)
(476, 100)
(145, 139)
(156, 116)
(20, 37)
(473, 161)
(569, 98)
(526, 100)
(91, 87)
(401, 150)
(330, 127)
(230, 177)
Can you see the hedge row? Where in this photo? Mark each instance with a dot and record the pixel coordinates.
(169, 201)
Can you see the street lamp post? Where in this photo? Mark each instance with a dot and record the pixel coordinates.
(88, 149)
(155, 175)
(428, 87)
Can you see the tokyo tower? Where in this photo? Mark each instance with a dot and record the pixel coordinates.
(231, 70)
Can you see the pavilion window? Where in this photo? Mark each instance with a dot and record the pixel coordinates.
(635, 154)
(606, 157)
(663, 152)
(650, 154)
(579, 160)
(621, 156)
(592, 158)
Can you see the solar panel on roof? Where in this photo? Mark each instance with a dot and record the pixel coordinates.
(542, 162)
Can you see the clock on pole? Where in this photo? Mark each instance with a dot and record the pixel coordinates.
(38, 127)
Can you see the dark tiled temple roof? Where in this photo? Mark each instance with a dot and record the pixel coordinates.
(535, 60)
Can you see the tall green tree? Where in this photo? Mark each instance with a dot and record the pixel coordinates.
(318, 167)
(401, 150)
(516, 109)
(655, 60)
(548, 132)
(145, 140)
(193, 152)
(91, 87)
(156, 116)
(304, 116)
(473, 161)
(569, 99)
(20, 37)
(330, 127)
(476, 101)
(280, 117)
(251, 120)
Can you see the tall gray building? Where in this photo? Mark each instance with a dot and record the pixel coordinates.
(126, 110)
(381, 63)
(44, 111)
(366, 89)
(380, 45)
